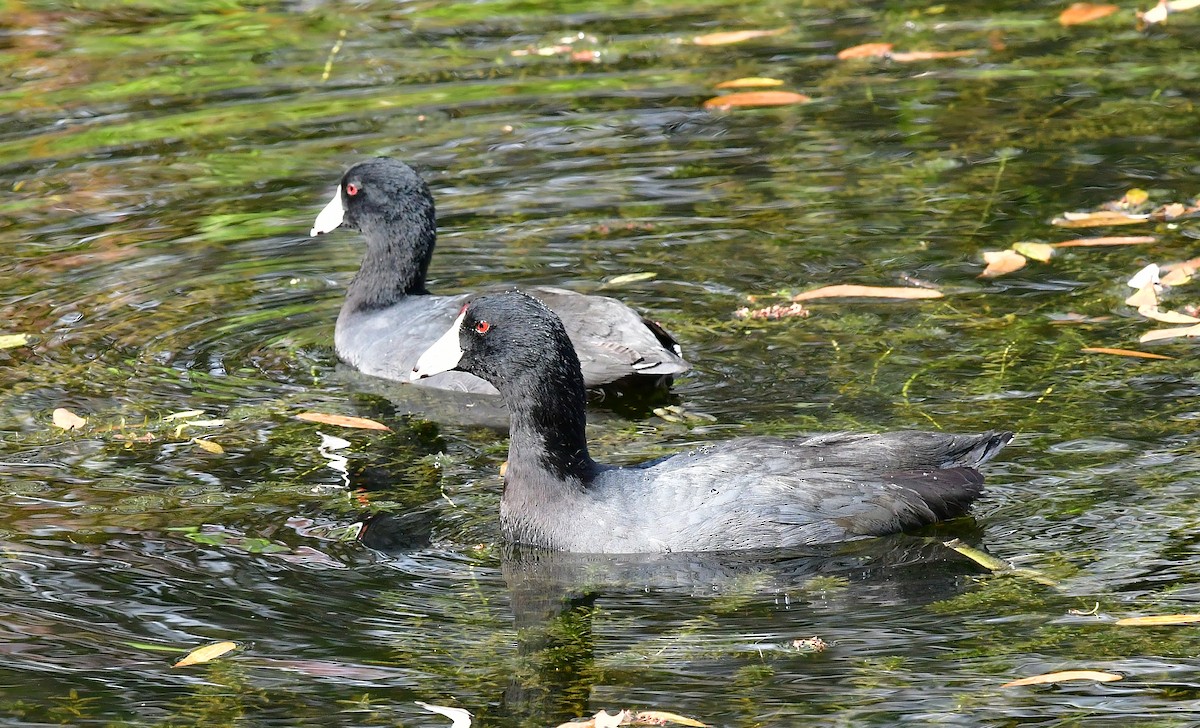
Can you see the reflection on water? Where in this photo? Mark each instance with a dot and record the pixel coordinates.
(164, 164)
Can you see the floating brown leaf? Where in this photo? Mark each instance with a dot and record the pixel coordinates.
(853, 291)
(1105, 241)
(67, 420)
(1038, 251)
(1001, 262)
(750, 82)
(1123, 352)
(208, 446)
(1145, 297)
(342, 421)
(1158, 620)
(1098, 219)
(1085, 13)
(756, 98)
(866, 50)
(735, 36)
(206, 653)
(910, 56)
(1162, 334)
(1054, 677)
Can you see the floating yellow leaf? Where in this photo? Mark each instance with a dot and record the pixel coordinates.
(11, 341)
(756, 98)
(1167, 317)
(1038, 251)
(1177, 277)
(184, 415)
(342, 421)
(1145, 297)
(1054, 677)
(631, 278)
(1085, 13)
(910, 56)
(1158, 619)
(986, 560)
(1001, 262)
(735, 36)
(750, 82)
(1123, 352)
(1159, 13)
(866, 50)
(206, 653)
(1098, 219)
(1162, 334)
(208, 446)
(854, 291)
(659, 717)
(1135, 196)
(1111, 240)
(67, 420)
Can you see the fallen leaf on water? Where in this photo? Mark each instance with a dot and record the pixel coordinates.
(750, 82)
(1085, 13)
(735, 36)
(460, 718)
(1001, 262)
(1038, 251)
(1158, 619)
(1134, 197)
(1147, 276)
(1054, 677)
(1159, 13)
(66, 419)
(1177, 277)
(910, 56)
(756, 98)
(772, 313)
(1123, 352)
(1146, 297)
(11, 341)
(810, 644)
(208, 446)
(854, 291)
(984, 559)
(1111, 240)
(1167, 317)
(662, 717)
(603, 720)
(631, 278)
(205, 653)
(1162, 334)
(866, 50)
(342, 421)
(1098, 219)
(183, 415)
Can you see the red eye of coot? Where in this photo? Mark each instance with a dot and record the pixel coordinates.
(352, 189)
(482, 327)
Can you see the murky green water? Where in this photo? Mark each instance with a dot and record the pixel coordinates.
(165, 161)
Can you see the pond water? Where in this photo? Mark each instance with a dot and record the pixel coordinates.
(166, 160)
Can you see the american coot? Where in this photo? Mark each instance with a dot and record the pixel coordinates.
(389, 318)
(750, 492)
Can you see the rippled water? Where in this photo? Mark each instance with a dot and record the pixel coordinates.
(165, 162)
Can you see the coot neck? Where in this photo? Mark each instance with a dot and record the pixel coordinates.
(399, 248)
(548, 430)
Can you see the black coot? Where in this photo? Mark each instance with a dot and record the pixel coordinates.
(389, 318)
(751, 492)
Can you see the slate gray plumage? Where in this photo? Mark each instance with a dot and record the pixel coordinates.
(751, 492)
(389, 317)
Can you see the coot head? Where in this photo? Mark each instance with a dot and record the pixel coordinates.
(377, 194)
